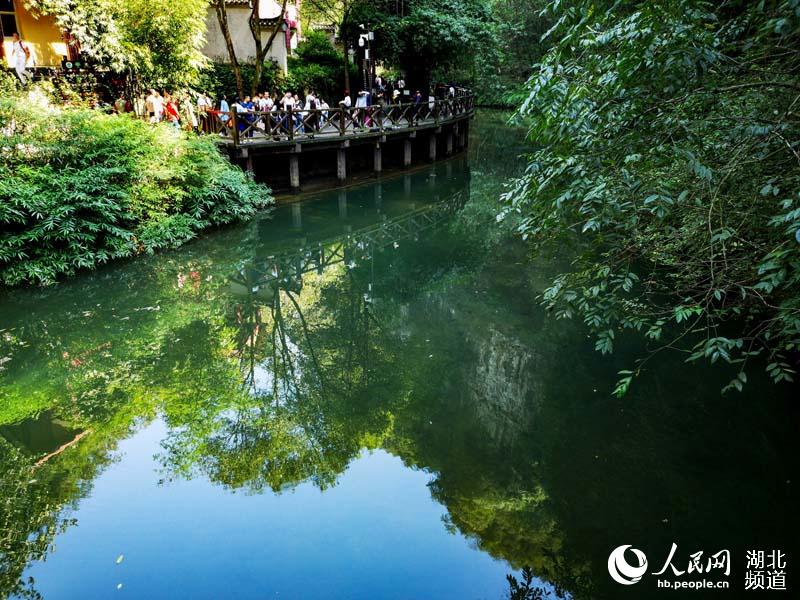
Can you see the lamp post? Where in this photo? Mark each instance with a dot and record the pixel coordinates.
(368, 67)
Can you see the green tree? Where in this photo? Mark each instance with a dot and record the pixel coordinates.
(79, 188)
(163, 40)
(317, 65)
(159, 41)
(667, 136)
(438, 32)
(425, 39)
(502, 68)
(338, 13)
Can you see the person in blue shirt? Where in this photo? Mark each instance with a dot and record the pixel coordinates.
(224, 116)
(417, 106)
(249, 116)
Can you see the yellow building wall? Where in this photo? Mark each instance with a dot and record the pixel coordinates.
(41, 35)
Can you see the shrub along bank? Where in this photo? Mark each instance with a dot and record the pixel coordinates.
(79, 188)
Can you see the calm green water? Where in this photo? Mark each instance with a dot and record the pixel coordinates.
(358, 397)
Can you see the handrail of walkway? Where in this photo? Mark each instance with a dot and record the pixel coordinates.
(279, 125)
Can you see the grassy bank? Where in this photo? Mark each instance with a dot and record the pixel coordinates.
(79, 188)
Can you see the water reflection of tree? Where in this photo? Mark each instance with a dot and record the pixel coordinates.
(287, 382)
(36, 500)
(310, 354)
(265, 390)
(329, 370)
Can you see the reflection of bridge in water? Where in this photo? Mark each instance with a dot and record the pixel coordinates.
(285, 270)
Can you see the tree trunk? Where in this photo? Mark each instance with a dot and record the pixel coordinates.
(255, 30)
(262, 49)
(346, 69)
(222, 17)
(346, 55)
(298, 4)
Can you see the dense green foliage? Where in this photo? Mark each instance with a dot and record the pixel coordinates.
(218, 79)
(668, 139)
(79, 188)
(158, 41)
(317, 65)
(501, 69)
(488, 46)
(409, 35)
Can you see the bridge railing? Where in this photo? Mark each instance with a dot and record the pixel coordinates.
(298, 124)
(286, 269)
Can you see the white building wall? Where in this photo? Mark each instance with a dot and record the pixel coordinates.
(239, 26)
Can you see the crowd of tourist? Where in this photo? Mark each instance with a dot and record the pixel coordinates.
(200, 113)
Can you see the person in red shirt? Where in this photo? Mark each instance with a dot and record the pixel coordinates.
(171, 111)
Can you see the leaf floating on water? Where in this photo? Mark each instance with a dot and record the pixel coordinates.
(120, 558)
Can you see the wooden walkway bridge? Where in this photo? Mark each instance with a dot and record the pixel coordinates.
(442, 124)
(285, 270)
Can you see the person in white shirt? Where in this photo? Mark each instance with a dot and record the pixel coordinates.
(311, 101)
(324, 108)
(345, 104)
(20, 54)
(361, 106)
(203, 103)
(139, 104)
(203, 106)
(287, 103)
(158, 107)
(151, 103)
(311, 116)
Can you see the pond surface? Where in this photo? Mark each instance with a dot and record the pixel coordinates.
(357, 396)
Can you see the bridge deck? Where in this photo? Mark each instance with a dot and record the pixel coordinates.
(287, 128)
(260, 138)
